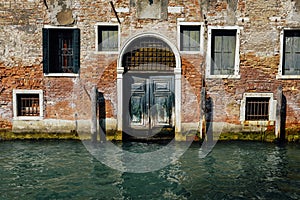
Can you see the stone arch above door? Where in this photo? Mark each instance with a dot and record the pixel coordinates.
(154, 39)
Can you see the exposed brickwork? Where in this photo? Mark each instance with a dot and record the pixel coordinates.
(22, 77)
(67, 98)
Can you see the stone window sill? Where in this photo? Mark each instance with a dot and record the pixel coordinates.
(191, 52)
(223, 76)
(287, 77)
(28, 118)
(61, 75)
(106, 52)
(258, 123)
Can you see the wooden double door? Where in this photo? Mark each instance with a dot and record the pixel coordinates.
(149, 103)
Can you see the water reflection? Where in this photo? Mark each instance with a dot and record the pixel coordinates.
(66, 170)
(137, 157)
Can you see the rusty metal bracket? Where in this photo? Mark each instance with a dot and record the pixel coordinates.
(45, 2)
(116, 14)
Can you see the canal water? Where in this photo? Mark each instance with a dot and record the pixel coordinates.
(66, 170)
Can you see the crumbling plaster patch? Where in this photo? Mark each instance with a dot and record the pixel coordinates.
(60, 12)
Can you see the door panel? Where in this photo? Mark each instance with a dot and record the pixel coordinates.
(151, 102)
(162, 101)
(136, 110)
(138, 103)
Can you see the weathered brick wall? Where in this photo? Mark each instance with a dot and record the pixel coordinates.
(261, 24)
(20, 53)
(67, 98)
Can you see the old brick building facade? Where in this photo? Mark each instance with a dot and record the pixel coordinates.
(150, 60)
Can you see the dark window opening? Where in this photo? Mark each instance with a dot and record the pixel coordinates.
(257, 108)
(149, 54)
(28, 105)
(108, 38)
(61, 50)
(291, 57)
(189, 38)
(223, 46)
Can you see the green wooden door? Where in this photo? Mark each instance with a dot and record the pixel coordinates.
(150, 103)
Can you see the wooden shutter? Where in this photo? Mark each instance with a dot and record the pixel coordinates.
(76, 50)
(288, 58)
(46, 50)
(217, 55)
(297, 52)
(292, 53)
(228, 54)
(105, 40)
(195, 39)
(113, 39)
(108, 38)
(190, 38)
(185, 40)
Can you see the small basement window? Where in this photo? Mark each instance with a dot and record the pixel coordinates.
(257, 108)
(28, 104)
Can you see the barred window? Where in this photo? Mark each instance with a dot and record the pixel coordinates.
(257, 108)
(61, 50)
(149, 54)
(28, 105)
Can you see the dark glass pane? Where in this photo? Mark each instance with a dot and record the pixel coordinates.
(190, 38)
(108, 38)
(223, 52)
(63, 50)
(291, 59)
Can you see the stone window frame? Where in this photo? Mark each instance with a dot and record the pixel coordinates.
(280, 67)
(61, 74)
(96, 37)
(272, 107)
(182, 23)
(236, 74)
(15, 104)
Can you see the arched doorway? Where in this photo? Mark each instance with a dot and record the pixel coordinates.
(149, 86)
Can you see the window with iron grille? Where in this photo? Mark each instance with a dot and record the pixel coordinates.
(291, 51)
(223, 48)
(108, 38)
(149, 54)
(189, 38)
(28, 105)
(61, 50)
(257, 108)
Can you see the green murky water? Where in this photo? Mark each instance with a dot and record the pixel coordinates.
(66, 170)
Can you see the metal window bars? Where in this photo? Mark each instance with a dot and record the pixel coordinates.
(257, 108)
(66, 56)
(149, 54)
(28, 105)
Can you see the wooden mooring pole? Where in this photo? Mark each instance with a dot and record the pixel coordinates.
(278, 124)
(202, 113)
(94, 114)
